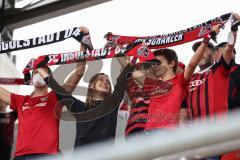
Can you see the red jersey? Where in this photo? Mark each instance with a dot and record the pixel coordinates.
(165, 102)
(235, 155)
(208, 92)
(38, 127)
(139, 108)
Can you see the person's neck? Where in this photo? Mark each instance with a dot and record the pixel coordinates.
(168, 75)
(39, 91)
(204, 67)
(99, 97)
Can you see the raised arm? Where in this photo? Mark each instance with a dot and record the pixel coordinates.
(64, 97)
(189, 70)
(111, 102)
(51, 82)
(232, 37)
(73, 80)
(138, 74)
(5, 96)
(123, 61)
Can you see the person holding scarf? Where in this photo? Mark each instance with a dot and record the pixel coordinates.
(210, 85)
(163, 111)
(208, 92)
(138, 98)
(96, 118)
(38, 127)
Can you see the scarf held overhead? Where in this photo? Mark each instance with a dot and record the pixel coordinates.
(117, 43)
(170, 39)
(76, 33)
(137, 50)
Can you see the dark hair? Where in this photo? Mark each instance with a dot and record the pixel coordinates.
(169, 54)
(223, 45)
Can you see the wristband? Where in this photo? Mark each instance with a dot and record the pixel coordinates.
(230, 39)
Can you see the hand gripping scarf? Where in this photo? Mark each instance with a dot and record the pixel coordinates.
(137, 50)
(76, 33)
(116, 45)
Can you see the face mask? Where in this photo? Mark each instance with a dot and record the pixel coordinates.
(38, 81)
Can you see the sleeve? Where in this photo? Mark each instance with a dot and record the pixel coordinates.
(221, 69)
(223, 63)
(132, 88)
(122, 81)
(183, 81)
(14, 115)
(111, 102)
(65, 98)
(16, 101)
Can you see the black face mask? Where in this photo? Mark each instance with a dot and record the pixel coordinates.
(151, 63)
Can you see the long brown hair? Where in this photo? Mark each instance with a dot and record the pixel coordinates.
(90, 100)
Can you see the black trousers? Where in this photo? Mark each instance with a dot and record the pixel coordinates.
(5, 151)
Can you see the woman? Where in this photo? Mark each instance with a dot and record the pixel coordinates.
(97, 117)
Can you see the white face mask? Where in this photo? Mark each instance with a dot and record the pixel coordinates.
(38, 81)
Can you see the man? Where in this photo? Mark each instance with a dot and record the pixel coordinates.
(7, 122)
(168, 92)
(234, 91)
(207, 95)
(208, 89)
(234, 83)
(38, 129)
(165, 91)
(138, 97)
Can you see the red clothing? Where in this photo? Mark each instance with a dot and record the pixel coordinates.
(235, 155)
(38, 127)
(139, 108)
(208, 92)
(165, 102)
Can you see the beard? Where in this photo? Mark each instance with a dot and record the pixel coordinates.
(205, 62)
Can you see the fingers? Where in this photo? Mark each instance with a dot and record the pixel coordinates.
(128, 59)
(216, 28)
(236, 16)
(84, 29)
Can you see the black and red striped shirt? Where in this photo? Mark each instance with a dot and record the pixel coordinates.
(139, 108)
(208, 91)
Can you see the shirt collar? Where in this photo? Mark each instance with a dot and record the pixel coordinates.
(206, 69)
